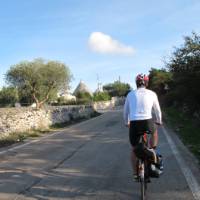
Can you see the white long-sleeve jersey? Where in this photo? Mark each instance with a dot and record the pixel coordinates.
(140, 104)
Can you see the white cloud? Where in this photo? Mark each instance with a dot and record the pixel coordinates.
(102, 43)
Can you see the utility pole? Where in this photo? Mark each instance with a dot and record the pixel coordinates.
(99, 85)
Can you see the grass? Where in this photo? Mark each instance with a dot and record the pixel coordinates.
(187, 128)
(17, 137)
(13, 138)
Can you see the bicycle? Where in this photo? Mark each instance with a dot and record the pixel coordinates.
(143, 163)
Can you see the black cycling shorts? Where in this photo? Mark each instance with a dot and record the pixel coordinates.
(137, 127)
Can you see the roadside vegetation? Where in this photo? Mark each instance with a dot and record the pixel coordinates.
(117, 89)
(177, 86)
(8, 96)
(101, 96)
(186, 127)
(13, 138)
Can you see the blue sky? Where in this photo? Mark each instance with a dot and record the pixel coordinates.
(62, 30)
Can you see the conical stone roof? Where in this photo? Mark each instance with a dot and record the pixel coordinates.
(82, 87)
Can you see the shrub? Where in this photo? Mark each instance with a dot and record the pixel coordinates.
(83, 98)
(101, 96)
(8, 96)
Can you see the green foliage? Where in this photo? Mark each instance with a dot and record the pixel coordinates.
(117, 88)
(184, 125)
(101, 96)
(8, 96)
(62, 101)
(39, 79)
(185, 68)
(182, 76)
(160, 80)
(25, 97)
(83, 97)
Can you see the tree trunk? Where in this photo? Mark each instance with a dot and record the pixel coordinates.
(40, 103)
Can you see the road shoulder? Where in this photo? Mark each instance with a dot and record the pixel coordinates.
(188, 163)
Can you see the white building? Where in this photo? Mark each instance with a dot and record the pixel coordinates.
(67, 96)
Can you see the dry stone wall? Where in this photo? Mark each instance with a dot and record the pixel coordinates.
(108, 105)
(23, 119)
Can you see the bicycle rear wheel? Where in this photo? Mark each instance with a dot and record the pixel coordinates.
(142, 188)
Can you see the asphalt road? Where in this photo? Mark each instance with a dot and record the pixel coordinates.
(86, 161)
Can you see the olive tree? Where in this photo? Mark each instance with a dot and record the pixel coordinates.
(39, 78)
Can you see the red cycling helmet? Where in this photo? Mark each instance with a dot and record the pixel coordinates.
(142, 80)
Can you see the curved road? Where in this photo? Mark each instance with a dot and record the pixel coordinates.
(87, 161)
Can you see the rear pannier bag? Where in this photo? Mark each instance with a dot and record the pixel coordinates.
(143, 152)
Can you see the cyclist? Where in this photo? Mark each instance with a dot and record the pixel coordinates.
(138, 117)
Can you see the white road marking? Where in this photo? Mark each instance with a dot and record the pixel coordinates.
(190, 178)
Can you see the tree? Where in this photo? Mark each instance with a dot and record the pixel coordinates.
(117, 88)
(25, 96)
(8, 96)
(41, 79)
(160, 80)
(185, 68)
(101, 96)
(83, 97)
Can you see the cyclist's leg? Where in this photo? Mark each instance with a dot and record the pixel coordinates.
(154, 139)
(133, 141)
(154, 133)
